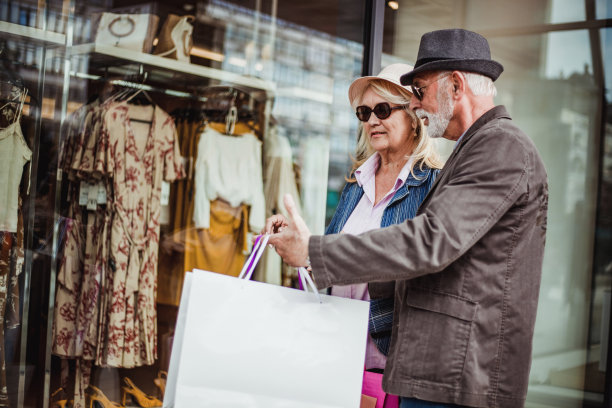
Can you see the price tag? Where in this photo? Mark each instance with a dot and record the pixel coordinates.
(83, 193)
(165, 193)
(101, 193)
(92, 198)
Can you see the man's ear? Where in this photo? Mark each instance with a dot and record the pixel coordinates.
(459, 83)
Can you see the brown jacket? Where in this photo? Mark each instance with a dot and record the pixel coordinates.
(467, 272)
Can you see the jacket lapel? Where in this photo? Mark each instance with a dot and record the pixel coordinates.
(419, 178)
(495, 113)
(353, 195)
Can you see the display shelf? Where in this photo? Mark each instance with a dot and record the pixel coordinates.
(33, 34)
(105, 55)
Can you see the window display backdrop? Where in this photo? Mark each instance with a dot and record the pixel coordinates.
(553, 92)
(127, 103)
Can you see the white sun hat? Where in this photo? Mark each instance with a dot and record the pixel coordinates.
(390, 73)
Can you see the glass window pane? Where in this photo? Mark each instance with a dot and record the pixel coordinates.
(599, 333)
(567, 55)
(409, 18)
(565, 11)
(549, 89)
(269, 74)
(603, 9)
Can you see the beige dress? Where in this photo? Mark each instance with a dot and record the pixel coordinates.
(136, 163)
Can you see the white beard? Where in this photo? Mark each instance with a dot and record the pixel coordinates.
(438, 122)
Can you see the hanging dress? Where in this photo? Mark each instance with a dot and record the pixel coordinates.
(136, 174)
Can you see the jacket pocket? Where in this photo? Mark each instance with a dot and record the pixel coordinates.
(436, 329)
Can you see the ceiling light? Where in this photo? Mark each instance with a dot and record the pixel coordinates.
(393, 4)
(239, 62)
(202, 53)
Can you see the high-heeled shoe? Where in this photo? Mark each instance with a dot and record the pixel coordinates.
(59, 402)
(137, 395)
(94, 394)
(160, 382)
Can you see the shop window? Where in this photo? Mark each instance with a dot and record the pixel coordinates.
(110, 223)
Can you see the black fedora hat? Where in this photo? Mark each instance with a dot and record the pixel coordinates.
(454, 49)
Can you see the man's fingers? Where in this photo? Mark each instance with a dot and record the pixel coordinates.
(274, 224)
(291, 207)
(269, 225)
(297, 219)
(276, 239)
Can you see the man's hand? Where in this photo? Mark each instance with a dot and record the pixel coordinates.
(275, 224)
(290, 237)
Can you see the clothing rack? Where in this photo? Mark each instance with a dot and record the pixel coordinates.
(139, 86)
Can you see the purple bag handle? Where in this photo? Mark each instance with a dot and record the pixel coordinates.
(258, 248)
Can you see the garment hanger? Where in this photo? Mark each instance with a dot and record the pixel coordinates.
(228, 106)
(12, 107)
(137, 96)
(148, 100)
(232, 116)
(141, 97)
(13, 92)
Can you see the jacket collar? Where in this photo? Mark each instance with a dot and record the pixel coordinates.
(419, 178)
(420, 175)
(497, 112)
(492, 114)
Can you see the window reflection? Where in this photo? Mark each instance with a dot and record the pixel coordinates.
(564, 11)
(568, 53)
(549, 88)
(603, 9)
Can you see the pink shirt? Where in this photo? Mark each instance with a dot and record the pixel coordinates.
(365, 217)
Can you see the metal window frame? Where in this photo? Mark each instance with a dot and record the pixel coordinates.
(374, 17)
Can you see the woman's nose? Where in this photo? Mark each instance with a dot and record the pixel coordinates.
(373, 119)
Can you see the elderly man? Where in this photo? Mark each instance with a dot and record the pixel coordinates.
(465, 272)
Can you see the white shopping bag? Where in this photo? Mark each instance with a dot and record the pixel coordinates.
(240, 343)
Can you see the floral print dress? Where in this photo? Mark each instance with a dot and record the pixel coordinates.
(105, 301)
(136, 174)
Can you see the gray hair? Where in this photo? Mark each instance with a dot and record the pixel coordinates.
(478, 84)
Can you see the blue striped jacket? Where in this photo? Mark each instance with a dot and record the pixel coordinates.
(402, 206)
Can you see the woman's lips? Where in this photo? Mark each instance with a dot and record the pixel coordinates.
(376, 134)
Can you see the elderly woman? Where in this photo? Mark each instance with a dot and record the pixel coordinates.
(394, 168)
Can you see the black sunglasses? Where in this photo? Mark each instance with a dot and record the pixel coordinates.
(418, 91)
(381, 110)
